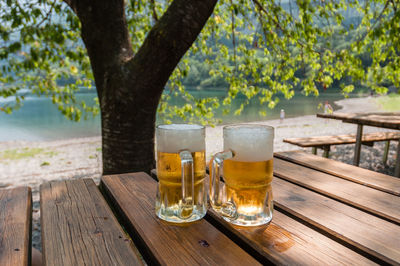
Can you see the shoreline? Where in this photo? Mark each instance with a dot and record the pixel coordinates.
(33, 162)
(347, 105)
(81, 157)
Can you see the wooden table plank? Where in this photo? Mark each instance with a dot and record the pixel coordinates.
(363, 231)
(78, 227)
(163, 243)
(374, 201)
(15, 226)
(319, 141)
(359, 175)
(288, 242)
(376, 119)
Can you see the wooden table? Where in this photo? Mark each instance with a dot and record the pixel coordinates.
(326, 213)
(389, 120)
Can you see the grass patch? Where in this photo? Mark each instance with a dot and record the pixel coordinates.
(98, 149)
(17, 154)
(44, 164)
(51, 153)
(389, 103)
(92, 156)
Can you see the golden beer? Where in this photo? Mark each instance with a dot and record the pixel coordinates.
(169, 172)
(181, 195)
(247, 184)
(246, 165)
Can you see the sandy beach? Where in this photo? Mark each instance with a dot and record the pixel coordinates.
(32, 163)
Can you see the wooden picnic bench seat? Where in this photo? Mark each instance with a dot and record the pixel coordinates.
(324, 142)
(15, 226)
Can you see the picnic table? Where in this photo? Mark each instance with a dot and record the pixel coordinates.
(326, 212)
(390, 120)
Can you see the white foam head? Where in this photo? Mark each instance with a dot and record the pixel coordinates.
(176, 137)
(250, 143)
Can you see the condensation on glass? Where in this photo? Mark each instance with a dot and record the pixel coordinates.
(246, 165)
(181, 193)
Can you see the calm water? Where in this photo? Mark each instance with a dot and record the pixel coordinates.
(39, 119)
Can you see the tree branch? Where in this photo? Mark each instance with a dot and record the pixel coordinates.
(105, 34)
(394, 6)
(375, 22)
(260, 7)
(167, 42)
(71, 4)
(153, 7)
(233, 35)
(47, 14)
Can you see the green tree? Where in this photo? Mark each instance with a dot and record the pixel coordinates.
(132, 50)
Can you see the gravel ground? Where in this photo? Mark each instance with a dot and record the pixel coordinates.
(81, 158)
(371, 157)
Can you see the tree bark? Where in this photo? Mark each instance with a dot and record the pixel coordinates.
(130, 86)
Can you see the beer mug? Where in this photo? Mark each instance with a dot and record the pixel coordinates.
(245, 197)
(181, 193)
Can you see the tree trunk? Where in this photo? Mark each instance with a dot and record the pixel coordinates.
(130, 86)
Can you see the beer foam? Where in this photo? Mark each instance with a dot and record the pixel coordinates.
(250, 143)
(176, 137)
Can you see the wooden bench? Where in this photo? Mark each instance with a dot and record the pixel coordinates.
(15, 226)
(324, 142)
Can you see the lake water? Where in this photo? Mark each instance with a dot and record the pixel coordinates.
(39, 119)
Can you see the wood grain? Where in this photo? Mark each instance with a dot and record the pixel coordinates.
(286, 241)
(342, 139)
(78, 227)
(167, 244)
(388, 184)
(377, 119)
(374, 201)
(362, 231)
(15, 226)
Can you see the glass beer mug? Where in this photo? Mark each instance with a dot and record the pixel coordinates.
(245, 197)
(181, 195)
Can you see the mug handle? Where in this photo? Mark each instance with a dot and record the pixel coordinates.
(187, 202)
(219, 202)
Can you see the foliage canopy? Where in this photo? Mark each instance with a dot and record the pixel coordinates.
(259, 48)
